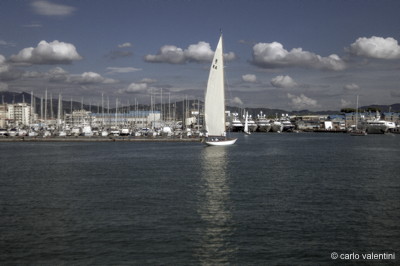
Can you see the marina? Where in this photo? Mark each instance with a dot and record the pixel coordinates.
(199, 132)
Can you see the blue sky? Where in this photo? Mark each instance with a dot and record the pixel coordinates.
(292, 55)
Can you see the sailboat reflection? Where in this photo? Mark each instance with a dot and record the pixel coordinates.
(215, 208)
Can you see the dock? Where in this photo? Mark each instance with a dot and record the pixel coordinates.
(98, 139)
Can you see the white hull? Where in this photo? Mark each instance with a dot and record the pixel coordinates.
(225, 142)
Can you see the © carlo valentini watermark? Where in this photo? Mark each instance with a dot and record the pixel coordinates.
(364, 256)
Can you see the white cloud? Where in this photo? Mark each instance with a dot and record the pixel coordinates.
(4, 67)
(249, 78)
(167, 54)
(237, 100)
(47, 8)
(351, 87)
(283, 82)
(33, 74)
(302, 101)
(90, 78)
(5, 43)
(273, 55)
(200, 52)
(47, 53)
(135, 87)
(376, 47)
(115, 70)
(7, 72)
(125, 45)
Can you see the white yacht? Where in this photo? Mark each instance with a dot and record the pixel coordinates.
(104, 133)
(276, 126)
(287, 126)
(263, 124)
(3, 132)
(378, 126)
(236, 124)
(251, 124)
(125, 132)
(87, 131)
(75, 131)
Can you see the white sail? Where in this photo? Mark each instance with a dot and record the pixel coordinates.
(215, 102)
(246, 124)
(215, 95)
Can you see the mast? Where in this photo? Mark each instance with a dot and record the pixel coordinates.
(45, 107)
(32, 108)
(51, 106)
(357, 114)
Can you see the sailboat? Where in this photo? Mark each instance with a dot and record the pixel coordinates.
(356, 131)
(214, 107)
(246, 124)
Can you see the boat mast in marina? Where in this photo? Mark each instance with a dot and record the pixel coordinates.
(356, 131)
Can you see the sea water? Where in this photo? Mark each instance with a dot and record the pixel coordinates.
(269, 199)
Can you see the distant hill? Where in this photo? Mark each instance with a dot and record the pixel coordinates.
(17, 97)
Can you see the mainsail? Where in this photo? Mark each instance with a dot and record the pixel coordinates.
(215, 95)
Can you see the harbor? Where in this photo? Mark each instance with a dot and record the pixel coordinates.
(98, 139)
(31, 118)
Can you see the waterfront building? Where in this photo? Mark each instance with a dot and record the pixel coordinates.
(138, 119)
(336, 122)
(16, 114)
(308, 122)
(3, 115)
(78, 118)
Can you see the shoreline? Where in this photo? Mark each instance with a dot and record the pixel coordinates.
(98, 139)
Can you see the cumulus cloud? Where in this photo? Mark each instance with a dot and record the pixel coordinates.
(135, 87)
(57, 74)
(376, 47)
(91, 78)
(273, 55)
(47, 8)
(119, 70)
(3, 65)
(351, 87)
(249, 78)
(47, 53)
(302, 101)
(283, 82)
(167, 54)
(125, 45)
(7, 72)
(200, 52)
(237, 100)
(5, 43)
